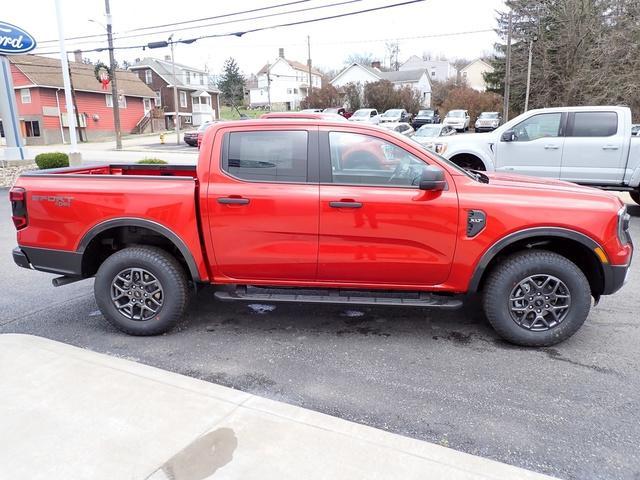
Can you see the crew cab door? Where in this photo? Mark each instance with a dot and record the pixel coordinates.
(376, 227)
(262, 204)
(536, 146)
(596, 148)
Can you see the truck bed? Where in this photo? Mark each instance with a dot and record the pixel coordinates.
(120, 169)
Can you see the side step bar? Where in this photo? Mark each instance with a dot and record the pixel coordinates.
(353, 297)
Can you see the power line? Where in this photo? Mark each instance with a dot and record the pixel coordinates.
(254, 30)
(185, 21)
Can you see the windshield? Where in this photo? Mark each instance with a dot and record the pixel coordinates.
(456, 113)
(428, 131)
(361, 113)
(425, 113)
(493, 115)
(392, 113)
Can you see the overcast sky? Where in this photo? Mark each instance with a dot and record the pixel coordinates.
(430, 23)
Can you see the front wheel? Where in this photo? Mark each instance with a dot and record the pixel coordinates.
(536, 298)
(141, 290)
(635, 196)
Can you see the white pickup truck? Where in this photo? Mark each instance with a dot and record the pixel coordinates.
(586, 145)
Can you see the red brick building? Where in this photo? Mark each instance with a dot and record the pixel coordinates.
(41, 103)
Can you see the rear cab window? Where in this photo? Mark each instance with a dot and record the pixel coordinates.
(592, 124)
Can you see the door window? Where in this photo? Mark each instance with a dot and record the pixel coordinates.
(365, 160)
(538, 126)
(273, 156)
(594, 124)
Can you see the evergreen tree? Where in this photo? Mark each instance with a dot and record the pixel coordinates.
(231, 83)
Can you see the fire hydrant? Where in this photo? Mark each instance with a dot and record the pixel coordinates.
(162, 138)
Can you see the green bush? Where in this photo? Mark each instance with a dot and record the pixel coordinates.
(52, 160)
(153, 161)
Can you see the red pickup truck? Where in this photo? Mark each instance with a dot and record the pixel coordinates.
(280, 210)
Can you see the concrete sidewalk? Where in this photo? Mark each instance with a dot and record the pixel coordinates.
(69, 413)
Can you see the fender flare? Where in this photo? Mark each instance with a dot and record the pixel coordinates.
(557, 232)
(151, 225)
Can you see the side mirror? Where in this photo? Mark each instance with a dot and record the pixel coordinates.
(432, 179)
(508, 136)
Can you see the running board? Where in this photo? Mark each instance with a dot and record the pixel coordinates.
(336, 296)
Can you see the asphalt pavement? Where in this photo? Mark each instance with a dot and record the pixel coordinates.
(570, 411)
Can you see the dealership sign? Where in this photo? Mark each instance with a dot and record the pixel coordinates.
(14, 40)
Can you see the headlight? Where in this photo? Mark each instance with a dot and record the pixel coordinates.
(623, 226)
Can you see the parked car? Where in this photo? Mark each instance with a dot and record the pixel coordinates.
(304, 116)
(488, 121)
(635, 129)
(458, 119)
(339, 110)
(419, 231)
(430, 136)
(366, 115)
(395, 115)
(586, 145)
(191, 137)
(424, 117)
(399, 127)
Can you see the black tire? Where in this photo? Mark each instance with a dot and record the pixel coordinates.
(171, 300)
(635, 196)
(506, 278)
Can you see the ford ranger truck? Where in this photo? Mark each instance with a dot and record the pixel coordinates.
(282, 210)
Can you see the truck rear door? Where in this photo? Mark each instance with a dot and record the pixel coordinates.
(262, 204)
(595, 148)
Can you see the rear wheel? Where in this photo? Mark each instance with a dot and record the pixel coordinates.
(141, 290)
(536, 298)
(635, 196)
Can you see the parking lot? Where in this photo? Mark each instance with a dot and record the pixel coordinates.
(571, 411)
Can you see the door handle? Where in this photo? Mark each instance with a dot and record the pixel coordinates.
(233, 201)
(551, 147)
(610, 147)
(347, 204)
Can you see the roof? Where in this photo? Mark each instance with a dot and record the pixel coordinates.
(476, 61)
(164, 68)
(293, 63)
(47, 72)
(401, 76)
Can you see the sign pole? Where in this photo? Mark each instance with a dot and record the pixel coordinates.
(9, 114)
(75, 157)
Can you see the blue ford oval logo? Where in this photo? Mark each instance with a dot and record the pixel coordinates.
(15, 40)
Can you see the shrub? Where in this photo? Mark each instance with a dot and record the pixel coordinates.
(153, 161)
(52, 160)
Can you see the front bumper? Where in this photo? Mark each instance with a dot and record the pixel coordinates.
(615, 276)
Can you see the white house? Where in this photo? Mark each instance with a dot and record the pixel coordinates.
(473, 72)
(356, 73)
(283, 84)
(439, 70)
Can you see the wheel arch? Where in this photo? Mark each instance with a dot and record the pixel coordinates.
(470, 154)
(115, 228)
(576, 246)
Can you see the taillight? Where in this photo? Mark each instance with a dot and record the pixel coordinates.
(18, 198)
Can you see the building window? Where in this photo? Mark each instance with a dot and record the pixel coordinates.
(295, 90)
(147, 104)
(147, 76)
(187, 120)
(433, 73)
(32, 128)
(464, 75)
(188, 77)
(25, 96)
(201, 79)
(122, 101)
(288, 91)
(158, 99)
(183, 99)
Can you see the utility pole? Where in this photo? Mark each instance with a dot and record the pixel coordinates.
(75, 157)
(526, 97)
(309, 63)
(175, 92)
(75, 104)
(114, 85)
(507, 73)
(269, 85)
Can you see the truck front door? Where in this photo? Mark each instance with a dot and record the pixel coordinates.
(376, 227)
(262, 204)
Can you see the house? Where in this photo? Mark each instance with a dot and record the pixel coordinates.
(473, 74)
(283, 84)
(40, 100)
(356, 73)
(198, 98)
(439, 70)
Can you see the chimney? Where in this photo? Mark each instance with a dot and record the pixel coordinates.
(375, 64)
(167, 58)
(77, 56)
(281, 52)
